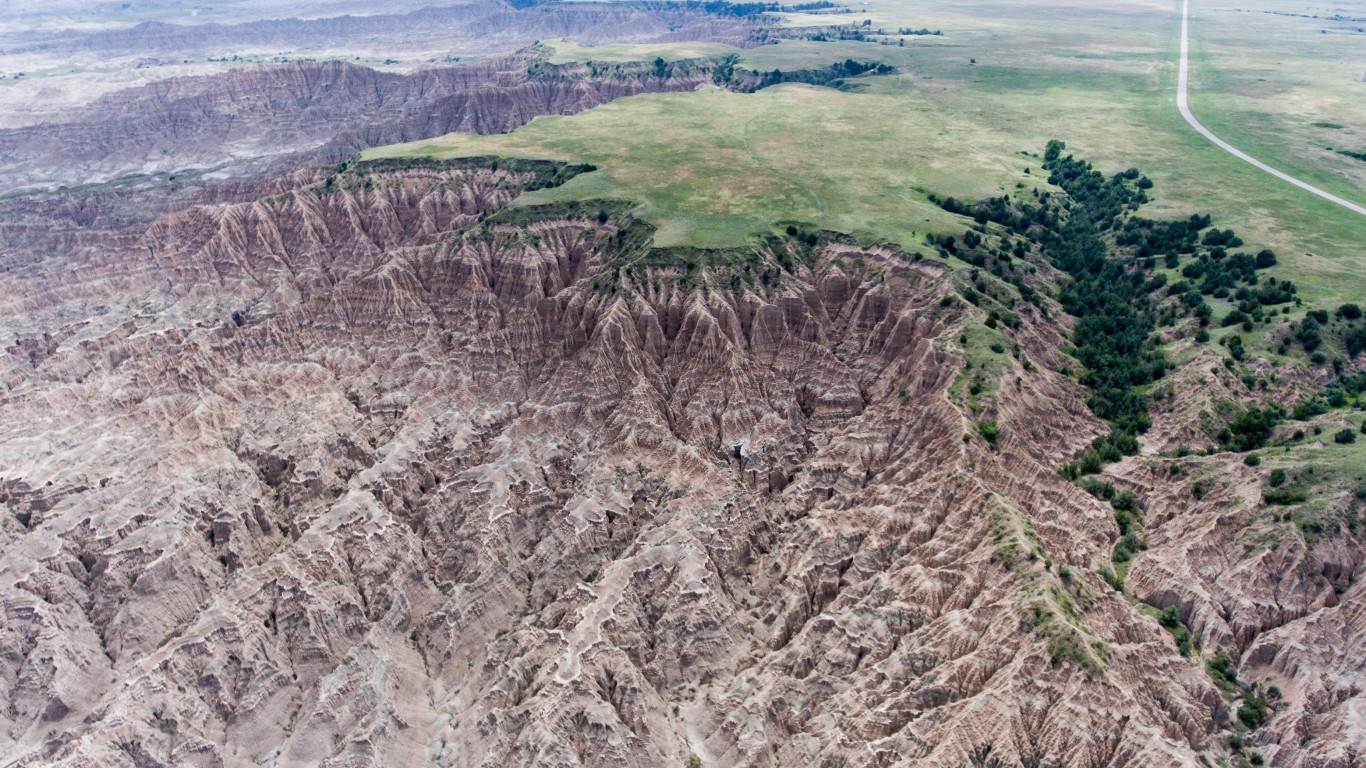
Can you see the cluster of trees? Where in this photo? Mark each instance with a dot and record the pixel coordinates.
(1250, 429)
(843, 33)
(919, 32)
(1109, 293)
(740, 10)
(1309, 332)
(1017, 217)
(1353, 330)
(1231, 277)
(1219, 273)
(1214, 272)
(1113, 335)
(1343, 387)
(827, 76)
(1103, 199)
(1151, 238)
(1088, 231)
(1218, 238)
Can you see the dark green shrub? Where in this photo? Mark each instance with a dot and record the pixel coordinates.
(1235, 347)
(1285, 496)
(1115, 582)
(1250, 429)
(1124, 501)
(1169, 617)
(1100, 490)
(1222, 670)
(1253, 712)
(988, 431)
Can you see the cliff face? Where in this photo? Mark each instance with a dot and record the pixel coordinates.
(375, 470)
(338, 479)
(264, 119)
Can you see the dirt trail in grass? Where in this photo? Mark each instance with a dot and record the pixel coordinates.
(1184, 105)
(749, 147)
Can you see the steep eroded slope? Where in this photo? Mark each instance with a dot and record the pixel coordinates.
(377, 471)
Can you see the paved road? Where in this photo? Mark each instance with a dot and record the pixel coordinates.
(1183, 105)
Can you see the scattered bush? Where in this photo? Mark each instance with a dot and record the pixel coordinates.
(1222, 670)
(988, 431)
(1253, 712)
(1170, 619)
(1124, 501)
(1250, 429)
(1286, 496)
(1101, 490)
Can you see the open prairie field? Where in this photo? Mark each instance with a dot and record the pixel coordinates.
(1002, 79)
(1283, 81)
(734, 165)
(1102, 78)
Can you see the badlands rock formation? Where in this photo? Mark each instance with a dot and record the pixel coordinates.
(260, 119)
(56, 60)
(374, 470)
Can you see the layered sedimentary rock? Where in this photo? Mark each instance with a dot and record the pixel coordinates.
(263, 119)
(1283, 601)
(377, 470)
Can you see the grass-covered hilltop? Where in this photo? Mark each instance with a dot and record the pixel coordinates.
(956, 116)
(936, 131)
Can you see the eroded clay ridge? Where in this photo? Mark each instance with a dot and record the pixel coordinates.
(269, 118)
(379, 471)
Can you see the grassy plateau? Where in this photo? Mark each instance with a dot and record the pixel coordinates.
(712, 168)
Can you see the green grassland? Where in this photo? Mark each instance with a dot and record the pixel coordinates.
(1102, 77)
(1327, 478)
(714, 169)
(1276, 85)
